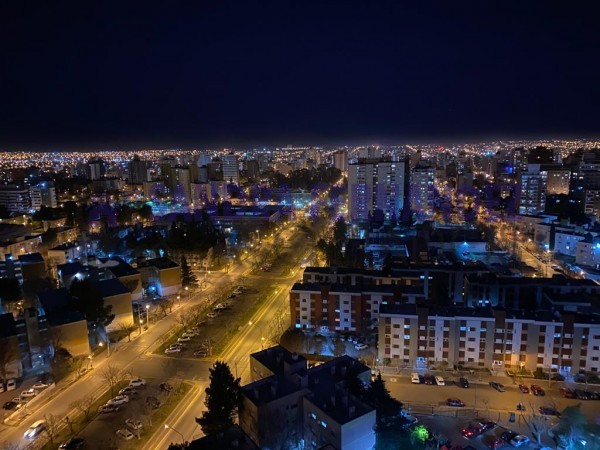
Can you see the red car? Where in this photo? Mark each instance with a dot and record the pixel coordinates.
(495, 443)
(472, 430)
(537, 390)
(524, 389)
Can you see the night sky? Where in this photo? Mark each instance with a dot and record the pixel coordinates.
(224, 73)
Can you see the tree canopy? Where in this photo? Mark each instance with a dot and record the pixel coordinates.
(223, 397)
(89, 301)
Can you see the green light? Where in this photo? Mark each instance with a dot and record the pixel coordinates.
(420, 433)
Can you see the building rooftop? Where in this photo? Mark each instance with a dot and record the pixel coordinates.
(117, 266)
(233, 438)
(162, 263)
(58, 307)
(274, 359)
(110, 287)
(31, 258)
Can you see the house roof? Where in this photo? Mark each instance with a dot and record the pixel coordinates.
(110, 287)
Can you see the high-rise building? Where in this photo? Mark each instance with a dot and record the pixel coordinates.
(43, 194)
(558, 181)
(181, 184)
(532, 198)
(376, 185)
(252, 169)
(421, 191)
(96, 168)
(15, 198)
(340, 160)
(231, 171)
(137, 170)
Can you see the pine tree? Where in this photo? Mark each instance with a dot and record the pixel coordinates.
(188, 279)
(223, 397)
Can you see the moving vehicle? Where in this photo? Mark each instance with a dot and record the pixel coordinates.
(74, 442)
(35, 429)
(455, 402)
(361, 346)
(124, 433)
(498, 386)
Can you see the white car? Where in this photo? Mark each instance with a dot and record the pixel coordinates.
(11, 384)
(137, 382)
(171, 350)
(39, 385)
(124, 433)
(211, 315)
(184, 339)
(519, 440)
(29, 393)
(118, 400)
(35, 429)
(134, 424)
(361, 346)
(440, 381)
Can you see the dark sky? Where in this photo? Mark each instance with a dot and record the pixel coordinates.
(222, 73)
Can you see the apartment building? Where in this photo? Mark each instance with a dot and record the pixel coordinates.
(312, 406)
(494, 338)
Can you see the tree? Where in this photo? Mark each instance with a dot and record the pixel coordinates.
(188, 278)
(112, 376)
(89, 301)
(165, 304)
(223, 397)
(379, 397)
(8, 354)
(52, 426)
(127, 328)
(338, 347)
(84, 405)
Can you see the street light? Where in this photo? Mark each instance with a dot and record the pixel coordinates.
(147, 314)
(91, 361)
(169, 427)
(101, 344)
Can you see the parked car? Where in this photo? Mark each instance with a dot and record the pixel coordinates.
(134, 424)
(184, 339)
(474, 429)
(429, 379)
(118, 400)
(463, 382)
(537, 390)
(39, 386)
(137, 382)
(124, 433)
(455, 402)
(165, 387)
(361, 346)
(35, 429)
(211, 315)
(129, 391)
(519, 440)
(507, 435)
(171, 350)
(74, 442)
(201, 353)
(440, 381)
(495, 443)
(581, 395)
(592, 395)
(549, 411)
(153, 402)
(29, 393)
(498, 386)
(415, 378)
(524, 389)
(10, 405)
(487, 424)
(11, 384)
(108, 408)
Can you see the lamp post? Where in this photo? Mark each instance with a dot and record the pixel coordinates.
(169, 427)
(91, 361)
(147, 315)
(101, 344)
(258, 234)
(139, 318)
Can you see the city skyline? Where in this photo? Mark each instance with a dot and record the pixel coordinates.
(241, 74)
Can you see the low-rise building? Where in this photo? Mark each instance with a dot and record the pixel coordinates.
(116, 295)
(312, 406)
(160, 275)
